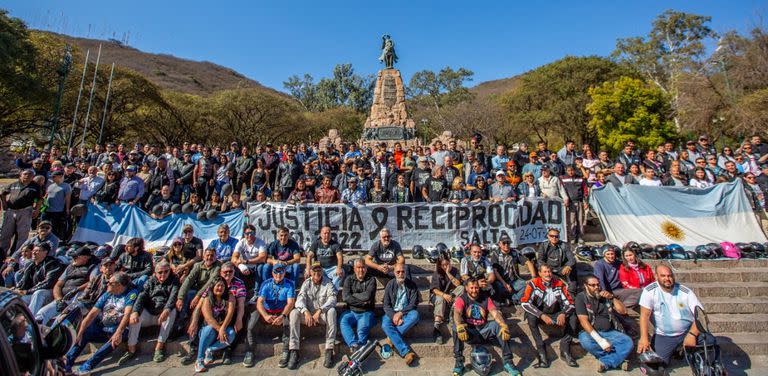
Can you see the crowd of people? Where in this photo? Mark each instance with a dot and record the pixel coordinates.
(224, 292)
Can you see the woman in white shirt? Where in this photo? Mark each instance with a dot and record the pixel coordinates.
(649, 178)
(699, 179)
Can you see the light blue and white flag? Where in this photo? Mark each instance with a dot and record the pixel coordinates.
(680, 215)
(118, 223)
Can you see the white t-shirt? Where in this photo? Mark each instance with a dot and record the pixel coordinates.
(673, 313)
(250, 251)
(650, 182)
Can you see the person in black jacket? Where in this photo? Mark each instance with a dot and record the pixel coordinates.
(559, 256)
(70, 284)
(107, 195)
(359, 292)
(154, 305)
(135, 262)
(184, 181)
(401, 298)
(36, 285)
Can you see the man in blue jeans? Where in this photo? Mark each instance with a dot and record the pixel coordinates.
(401, 297)
(601, 335)
(359, 292)
(106, 321)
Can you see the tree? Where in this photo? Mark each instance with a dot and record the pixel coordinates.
(551, 100)
(675, 46)
(343, 89)
(629, 109)
(439, 89)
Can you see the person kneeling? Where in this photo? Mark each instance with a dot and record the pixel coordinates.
(602, 334)
(470, 316)
(401, 297)
(317, 304)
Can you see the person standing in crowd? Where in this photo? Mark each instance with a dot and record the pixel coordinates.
(575, 190)
(218, 311)
(106, 321)
(401, 297)
(59, 198)
(471, 312)
(359, 292)
(601, 334)
(131, 187)
(186, 177)
(559, 256)
(225, 244)
(203, 176)
(274, 304)
(20, 203)
(39, 277)
(327, 193)
(72, 282)
(288, 173)
(547, 301)
(90, 185)
(419, 177)
(329, 254)
(435, 189)
(316, 305)
(619, 176)
(44, 234)
(533, 166)
(607, 270)
(673, 307)
(383, 256)
(509, 285)
(154, 306)
(135, 262)
(501, 190)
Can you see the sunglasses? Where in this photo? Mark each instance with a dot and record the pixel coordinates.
(553, 236)
(227, 272)
(249, 233)
(278, 271)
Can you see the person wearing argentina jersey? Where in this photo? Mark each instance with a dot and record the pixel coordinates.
(672, 306)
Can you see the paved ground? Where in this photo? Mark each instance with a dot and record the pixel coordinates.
(392, 367)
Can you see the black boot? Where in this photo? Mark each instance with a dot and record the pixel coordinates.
(568, 359)
(541, 360)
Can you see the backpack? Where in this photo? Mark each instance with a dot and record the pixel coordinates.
(730, 250)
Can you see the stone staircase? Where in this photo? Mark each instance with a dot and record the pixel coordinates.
(734, 293)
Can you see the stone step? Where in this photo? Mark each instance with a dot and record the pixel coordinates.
(727, 305)
(729, 289)
(738, 274)
(739, 323)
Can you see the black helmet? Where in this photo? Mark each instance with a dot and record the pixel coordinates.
(662, 251)
(651, 364)
(704, 252)
(759, 249)
(441, 248)
(746, 250)
(529, 253)
(176, 209)
(201, 216)
(584, 253)
(418, 252)
(481, 360)
(61, 251)
(211, 214)
(160, 254)
(103, 251)
(157, 210)
(226, 189)
(432, 255)
(187, 208)
(716, 249)
(633, 246)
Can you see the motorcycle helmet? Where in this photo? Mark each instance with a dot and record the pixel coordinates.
(226, 189)
(481, 360)
(633, 246)
(433, 255)
(662, 251)
(211, 214)
(77, 210)
(730, 250)
(61, 251)
(746, 250)
(676, 252)
(160, 254)
(176, 209)
(704, 252)
(418, 252)
(157, 210)
(187, 208)
(457, 252)
(759, 249)
(103, 251)
(441, 248)
(584, 253)
(529, 253)
(651, 364)
(201, 216)
(715, 249)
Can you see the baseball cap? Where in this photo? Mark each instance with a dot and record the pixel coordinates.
(107, 260)
(36, 161)
(57, 172)
(131, 168)
(83, 251)
(316, 265)
(422, 159)
(44, 223)
(504, 239)
(500, 173)
(278, 269)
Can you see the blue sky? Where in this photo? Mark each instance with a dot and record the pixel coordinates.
(269, 41)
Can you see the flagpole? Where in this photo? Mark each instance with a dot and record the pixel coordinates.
(77, 104)
(106, 102)
(90, 100)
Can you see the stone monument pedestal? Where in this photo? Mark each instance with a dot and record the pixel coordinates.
(388, 121)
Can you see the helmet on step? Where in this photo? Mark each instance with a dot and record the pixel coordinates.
(662, 251)
(433, 255)
(456, 252)
(160, 254)
(676, 252)
(651, 364)
(418, 252)
(481, 360)
(647, 252)
(529, 253)
(633, 246)
(103, 251)
(704, 252)
(730, 250)
(759, 249)
(746, 250)
(584, 253)
(716, 249)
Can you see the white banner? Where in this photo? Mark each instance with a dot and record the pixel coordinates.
(357, 227)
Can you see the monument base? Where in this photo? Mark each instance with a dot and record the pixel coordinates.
(388, 121)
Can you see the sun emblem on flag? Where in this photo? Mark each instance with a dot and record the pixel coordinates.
(672, 231)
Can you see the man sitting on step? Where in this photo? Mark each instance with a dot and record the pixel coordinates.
(275, 302)
(316, 304)
(546, 301)
(401, 298)
(673, 307)
(471, 311)
(602, 333)
(359, 292)
(383, 256)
